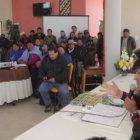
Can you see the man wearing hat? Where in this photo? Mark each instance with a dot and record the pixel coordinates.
(71, 50)
(133, 104)
(127, 42)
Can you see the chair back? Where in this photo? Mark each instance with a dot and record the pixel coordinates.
(70, 72)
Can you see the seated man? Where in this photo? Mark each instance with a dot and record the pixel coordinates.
(62, 37)
(62, 51)
(30, 57)
(16, 52)
(133, 104)
(54, 73)
(71, 50)
(80, 56)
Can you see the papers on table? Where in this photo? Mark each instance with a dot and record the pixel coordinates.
(11, 64)
(106, 115)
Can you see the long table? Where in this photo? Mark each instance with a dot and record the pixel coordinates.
(14, 84)
(59, 128)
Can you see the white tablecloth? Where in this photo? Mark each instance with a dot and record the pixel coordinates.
(14, 90)
(59, 128)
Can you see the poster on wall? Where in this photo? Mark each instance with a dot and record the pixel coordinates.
(65, 7)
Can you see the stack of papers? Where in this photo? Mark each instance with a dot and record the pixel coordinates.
(106, 115)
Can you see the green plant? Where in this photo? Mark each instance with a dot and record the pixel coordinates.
(13, 31)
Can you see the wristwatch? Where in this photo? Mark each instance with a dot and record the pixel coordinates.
(123, 96)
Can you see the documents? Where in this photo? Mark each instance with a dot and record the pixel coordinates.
(106, 115)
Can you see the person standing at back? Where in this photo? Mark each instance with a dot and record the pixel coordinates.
(50, 38)
(127, 42)
(39, 34)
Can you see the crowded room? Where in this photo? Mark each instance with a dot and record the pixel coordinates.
(69, 70)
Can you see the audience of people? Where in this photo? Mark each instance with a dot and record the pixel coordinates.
(30, 50)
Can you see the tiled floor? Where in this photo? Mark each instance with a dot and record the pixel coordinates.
(14, 120)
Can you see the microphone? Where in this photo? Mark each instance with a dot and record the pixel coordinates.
(132, 88)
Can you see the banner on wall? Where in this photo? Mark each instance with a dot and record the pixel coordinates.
(65, 7)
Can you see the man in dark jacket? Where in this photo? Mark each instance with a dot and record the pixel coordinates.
(127, 42)
(90, 44)
(54, 73)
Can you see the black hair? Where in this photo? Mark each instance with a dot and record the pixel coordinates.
(15, 43)
(86, 32)
(63, 42)
(62, 31)
(61, 47)
(80, 39)
(74, 26)
(39, 28)
(136, 64)
(53, 48)
(100, 33)
(97, 138)
(32, 31)
(30, 41)
(126, 30)
(49, 30)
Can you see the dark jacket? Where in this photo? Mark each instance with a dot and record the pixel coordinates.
(39, 36)
(100, 48)
(4, 43)
(131, 44)
(135, 119)
(136, 128)
(57, 69)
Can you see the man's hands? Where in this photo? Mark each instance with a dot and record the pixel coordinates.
(112, 90)
(21, 62)
(130, 105)
(52, 80)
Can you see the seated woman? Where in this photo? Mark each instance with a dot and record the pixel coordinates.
(16, 52)
(62, 51)
(30, 57)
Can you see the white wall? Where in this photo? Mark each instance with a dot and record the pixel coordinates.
(112, 36)
(131, 18)
(5, 12)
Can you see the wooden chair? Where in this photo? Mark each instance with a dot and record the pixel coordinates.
(70, 88)
(91, 72)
